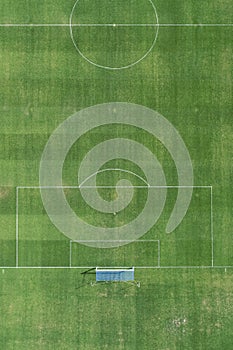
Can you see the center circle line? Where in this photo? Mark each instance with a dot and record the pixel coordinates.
(109, 67)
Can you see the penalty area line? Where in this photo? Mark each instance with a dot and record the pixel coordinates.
(93, 187)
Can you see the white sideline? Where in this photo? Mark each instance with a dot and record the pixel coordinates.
(136, 267)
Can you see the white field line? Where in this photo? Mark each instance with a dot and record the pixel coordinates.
(116, 25)
(112, 169)
(76, 187)
(152, 25)
(83, 241)
(212, 227)
(116, 240)
(119, 240)
(17, 230)
(70, 253)
(119, 267)
(159, 257)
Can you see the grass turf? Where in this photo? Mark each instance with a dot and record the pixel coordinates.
(188, 79)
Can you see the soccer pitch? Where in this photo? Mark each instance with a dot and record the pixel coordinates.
(116, 151)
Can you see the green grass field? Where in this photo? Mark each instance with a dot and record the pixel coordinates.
(185, 299)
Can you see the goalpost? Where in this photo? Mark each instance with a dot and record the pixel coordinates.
(114, 274)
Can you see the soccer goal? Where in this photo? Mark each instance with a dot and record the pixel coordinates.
(114, 274)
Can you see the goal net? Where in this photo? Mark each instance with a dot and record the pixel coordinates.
(111, 274)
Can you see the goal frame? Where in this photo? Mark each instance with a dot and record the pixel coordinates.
(117, 274)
